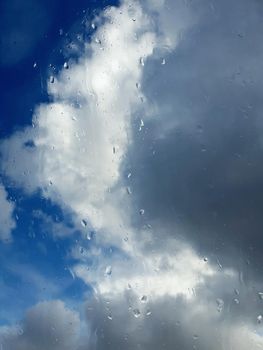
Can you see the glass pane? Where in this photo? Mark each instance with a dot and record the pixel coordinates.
(131, 175)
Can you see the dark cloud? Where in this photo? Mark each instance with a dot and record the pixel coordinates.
(198, 161)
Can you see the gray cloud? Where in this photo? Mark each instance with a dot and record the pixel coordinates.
(198, 162)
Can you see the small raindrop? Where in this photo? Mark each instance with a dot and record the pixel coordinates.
(20, 331)
(141, 211)
(93, 25)
(138, 85)
(110, 317)
(136, 313)
(195, 336)
(163, 62)
(128, 190)
(113, 150)
(51, 79)
(66, 66)
(108, 270)
(84, 223)
(129, 175)
(126, 239)
(148, 312)
(220, 304)
(60, 31)
(141, 61)
(144, 298)
(81, 250)
(236, 301)
(141, 125)
(260, 295)
(259, 319)
(205, 259)
(35, 65)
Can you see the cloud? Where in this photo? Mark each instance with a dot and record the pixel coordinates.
(7, 223)
(47, 325)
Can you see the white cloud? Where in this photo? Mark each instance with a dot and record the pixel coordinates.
(7, 223)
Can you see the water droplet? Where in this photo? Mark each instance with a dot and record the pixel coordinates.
(108, 270)
(141, 211)
(84, 223)
(260, 295)
(35, 65)
(72, 273)
(51, 79)
(141, 61)
(66, 66)
(259, 319)
(236, 301)
(110, 317)
(93, 25)
(113, 150)
(126, 239)
(20, 331)
(144, 298)
(136, 313)
(148, 312)
(81, 250)
(220, 304)
(60, 31)
(163, 62)
(129, 175)
(141, 125)
(205, 259)
(128, 190)
(138, 85)
(195, 336)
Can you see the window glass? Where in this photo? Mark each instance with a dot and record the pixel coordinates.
(131, 175)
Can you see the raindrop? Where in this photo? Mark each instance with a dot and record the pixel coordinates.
(136, 313)
(51, 79)
(66, 66)
(260, 294)
(81, 250)
(84, 223)
(236, 301)
(129, 175)
(205, 259)
(138, 85)
(61, 31)
(35, 65)
(108, 270)
(141, 125)
(126, 239)
(195, 336)
(72, 273)
(20, 331)
(141, 211)
(110, 317)
(128, 190)
(220, 304)
(141, 61)
(148, 312)
(144, 298)
(113, 149)
(259, 318)
(163, 62)
(93, 25)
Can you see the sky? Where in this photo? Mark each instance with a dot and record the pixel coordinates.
(131, 175)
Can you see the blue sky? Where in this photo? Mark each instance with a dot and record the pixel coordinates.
(24, 68)
(131, 175)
